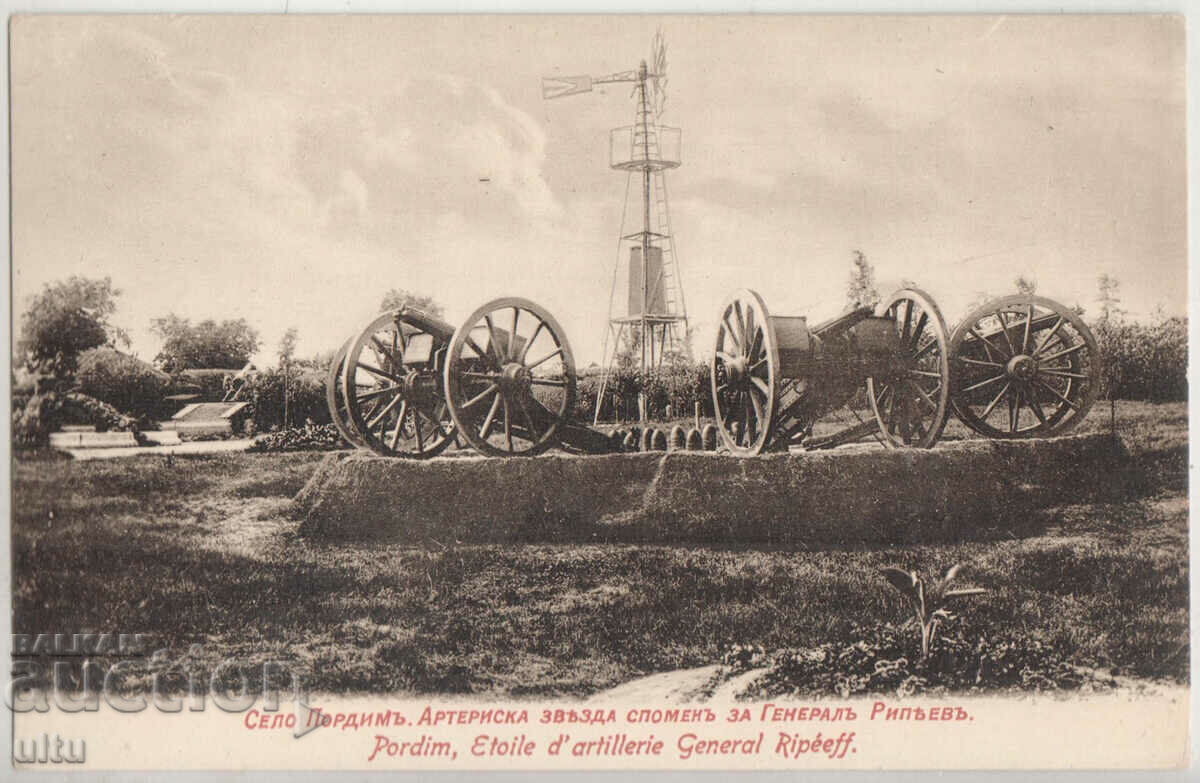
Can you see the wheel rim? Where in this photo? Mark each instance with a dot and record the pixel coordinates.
(509, 397)
(744, 374)
(397, 409)
(911, 403)
(336, 400)
(1023, 367)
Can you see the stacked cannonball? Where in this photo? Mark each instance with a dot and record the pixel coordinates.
(633, 439)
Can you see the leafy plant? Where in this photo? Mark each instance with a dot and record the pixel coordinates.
(928, 600)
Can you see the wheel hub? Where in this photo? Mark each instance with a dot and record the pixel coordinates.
(515, 377)
(735, 370)
(1022, 367)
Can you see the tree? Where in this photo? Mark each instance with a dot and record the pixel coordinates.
(124, 382)
(398, 297)
(287, 349)
(1109, 297)
(1026, 286)
(206, 345)
(67, 318)
(860, 292)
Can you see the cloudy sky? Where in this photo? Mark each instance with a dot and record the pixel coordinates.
(291, 170)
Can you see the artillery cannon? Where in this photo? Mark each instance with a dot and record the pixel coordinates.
(410, 384)
(773, 377)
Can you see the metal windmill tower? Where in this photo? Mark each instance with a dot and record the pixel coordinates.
(652, 321)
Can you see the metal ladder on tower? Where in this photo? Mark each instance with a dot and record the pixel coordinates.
(673, 292)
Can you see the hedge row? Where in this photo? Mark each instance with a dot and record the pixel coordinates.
(1144, 361)
(679, 387)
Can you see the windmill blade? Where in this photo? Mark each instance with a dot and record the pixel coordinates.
(658, 58)
(658, 54)
(561, 86)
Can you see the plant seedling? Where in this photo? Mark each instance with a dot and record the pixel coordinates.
(928, 600)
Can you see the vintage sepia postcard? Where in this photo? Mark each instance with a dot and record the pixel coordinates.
(598, 392)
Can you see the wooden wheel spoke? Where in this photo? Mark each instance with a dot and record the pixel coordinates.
(1036, 407)
(380, 373)
(1063, 374)
(417, 431)
(978, 363)
(926, 349)
(1074, 405)
(1049, 336)
(981, 384)
(755, 346)
(371, 395)
(729, 330)
(918, 330)
(1014, 410)
(1067, 352)
(512, 340)
(731, 409)
(987, 344)
(924, 397)
(904, 332)
(533, 431)
(741, 322)
(758, 408)
(493, 341)
(1007, 337)
(482, 354)
(525, 349)
(1028, 328)
(399, 425)
(726, 358)
(507, 424)
(995, 401)
(761, 385)
(924, 374)
(751, 332)
(384, 411)
(486, 428)
(478, 398)
(545, 358)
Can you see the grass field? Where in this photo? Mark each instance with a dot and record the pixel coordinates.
(204, 550)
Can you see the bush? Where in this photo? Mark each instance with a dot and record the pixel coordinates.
(1144, 361)
(313, 437)
(680, 385)
(887, 660)
(123, 381)
(45, 413)
(306, 397)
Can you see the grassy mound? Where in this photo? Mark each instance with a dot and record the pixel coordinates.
(849, 497)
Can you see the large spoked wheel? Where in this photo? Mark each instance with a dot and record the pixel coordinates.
(1023, 367)
(510, 378)
(336, 399)
(911, 402)
(393, 391)
(745, 374)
